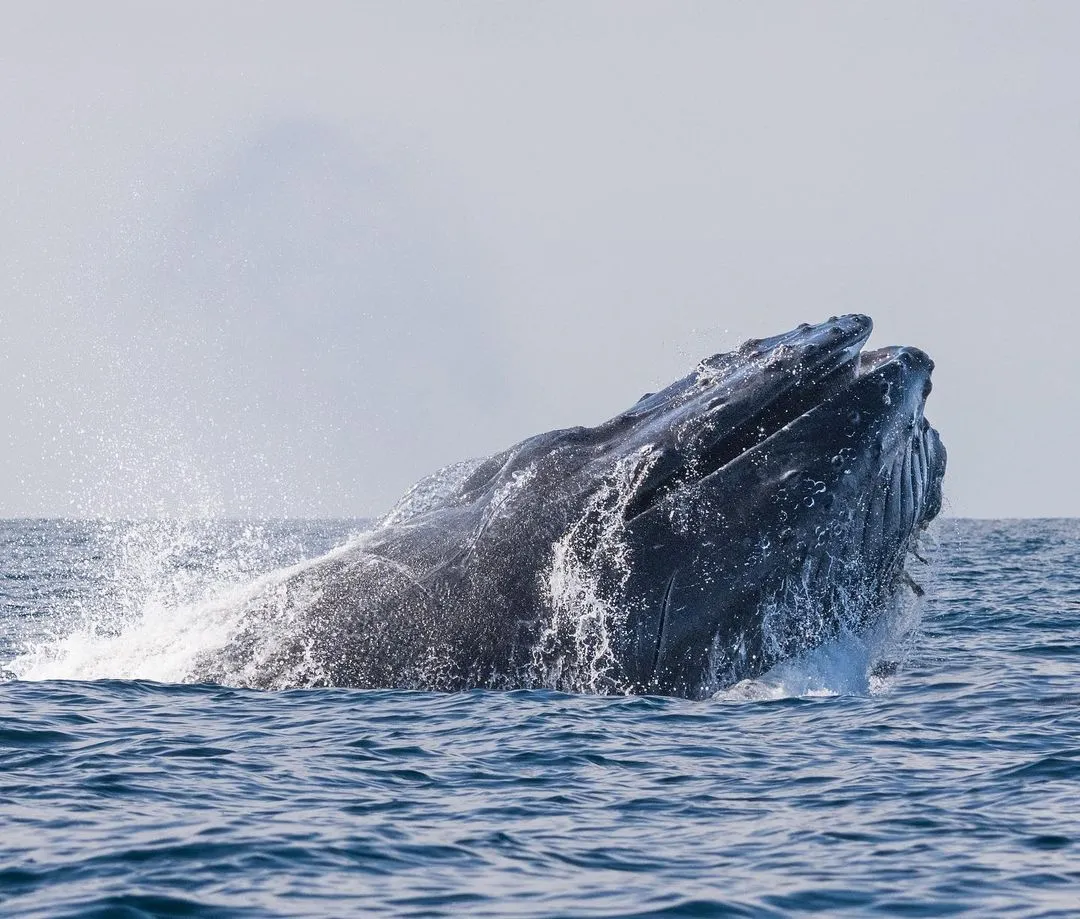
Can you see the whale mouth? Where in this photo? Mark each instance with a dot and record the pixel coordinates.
(813, 458)
(786, 377)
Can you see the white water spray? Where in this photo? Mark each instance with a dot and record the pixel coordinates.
(171, 592)
(576, 649)
(852, 663)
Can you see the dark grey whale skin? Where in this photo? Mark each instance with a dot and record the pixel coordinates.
(744, 514)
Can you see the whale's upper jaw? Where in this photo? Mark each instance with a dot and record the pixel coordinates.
(736, 400)
(809, 350)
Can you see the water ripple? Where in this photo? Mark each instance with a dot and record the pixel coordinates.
(951, 791)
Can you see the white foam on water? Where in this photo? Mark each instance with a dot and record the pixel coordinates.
(850, 664)
(839, 667)
(158, 612)
(161, 643)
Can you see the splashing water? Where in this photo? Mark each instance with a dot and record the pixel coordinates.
(852, 663)
(159, 594)
(156, 597)
(430, 492)
(576, 651)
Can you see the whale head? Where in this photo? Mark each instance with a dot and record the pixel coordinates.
(765, 502)
(744, 514)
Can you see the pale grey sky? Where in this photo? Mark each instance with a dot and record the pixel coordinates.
(283, 258)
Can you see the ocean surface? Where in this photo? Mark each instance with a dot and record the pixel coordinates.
(942, 781)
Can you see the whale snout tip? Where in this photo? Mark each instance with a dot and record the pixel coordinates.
(919, 362)
(852, 323)
(916, 359)
(849, 331)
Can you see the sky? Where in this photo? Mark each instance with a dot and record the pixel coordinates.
(273, 259)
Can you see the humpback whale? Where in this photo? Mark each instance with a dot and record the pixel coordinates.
(748, 512)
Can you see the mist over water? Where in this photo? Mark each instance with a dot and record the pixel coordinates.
(277, 335)
(267, 259)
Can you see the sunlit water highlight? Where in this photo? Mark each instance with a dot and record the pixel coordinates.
(830, 786)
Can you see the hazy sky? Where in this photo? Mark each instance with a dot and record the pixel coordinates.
(282, 258)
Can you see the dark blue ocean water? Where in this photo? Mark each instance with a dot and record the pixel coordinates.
(949, 786)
